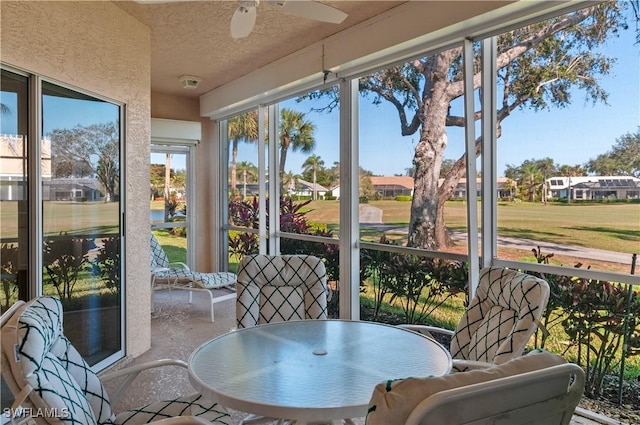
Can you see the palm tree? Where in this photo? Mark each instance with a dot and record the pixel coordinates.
(546, 167)
(295, 133)
(531, 176)
(313, 163)
(246, 170)
(511, 186)
(241, 128)
(571, 171)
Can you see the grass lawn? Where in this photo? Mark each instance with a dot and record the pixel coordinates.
(612, 227)
(77, 218)
(174, 246)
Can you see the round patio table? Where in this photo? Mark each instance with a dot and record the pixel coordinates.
(311, 370)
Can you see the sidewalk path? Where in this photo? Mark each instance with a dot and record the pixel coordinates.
(371, 217)
(370, 214)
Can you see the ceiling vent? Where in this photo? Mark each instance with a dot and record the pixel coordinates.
(190, 81)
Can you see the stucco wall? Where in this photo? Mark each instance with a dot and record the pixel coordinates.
(97, 47)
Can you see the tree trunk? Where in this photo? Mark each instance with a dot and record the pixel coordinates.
(429, 152)
(445, 192)
(244, 185)
(424, 206)
(315, 193)
(234, 160)
(284, 147)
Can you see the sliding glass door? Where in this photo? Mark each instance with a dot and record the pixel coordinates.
(60, 191)
(80, 183)
(171, 203)
(14, 194)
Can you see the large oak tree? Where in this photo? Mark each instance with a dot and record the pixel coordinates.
(539, 66)
(622, 160)
(92, 149)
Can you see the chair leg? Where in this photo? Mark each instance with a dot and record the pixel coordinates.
(153, 293)
(210, 303)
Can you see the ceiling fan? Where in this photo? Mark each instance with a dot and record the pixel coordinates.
(244, 18)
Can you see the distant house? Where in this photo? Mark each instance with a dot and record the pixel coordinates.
(505, 188)
(304, 188)
(72, 189)
(392, 186)
(13, 181)
(593, 187)
(334, 191)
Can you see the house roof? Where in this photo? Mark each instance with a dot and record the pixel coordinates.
(309, 185)
(562, 182)
(404, 181)
(407, 181)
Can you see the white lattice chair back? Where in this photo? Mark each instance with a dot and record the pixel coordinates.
(280, 288)
(159, 258)
(502, 316)
(43, 360)
(163, 270)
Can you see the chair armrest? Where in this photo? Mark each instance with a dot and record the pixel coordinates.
(156, 270)
(132, 372)
(179, 265)
(427, 330)
(461, 365)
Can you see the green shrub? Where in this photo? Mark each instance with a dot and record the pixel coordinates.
(404, 198)
(420, 285)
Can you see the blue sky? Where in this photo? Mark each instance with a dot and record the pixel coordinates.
(59, 112)
(572, 135)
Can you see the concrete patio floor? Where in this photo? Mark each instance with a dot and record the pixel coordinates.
(178, 328)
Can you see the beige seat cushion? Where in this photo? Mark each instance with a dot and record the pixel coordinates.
(392, 401)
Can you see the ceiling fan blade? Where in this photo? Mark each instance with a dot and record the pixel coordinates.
(243, 21)
(310, 9)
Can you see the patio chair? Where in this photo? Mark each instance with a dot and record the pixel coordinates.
(52, 384)
(499, 321)
(179, 276)
(537, 389)
(280, 288)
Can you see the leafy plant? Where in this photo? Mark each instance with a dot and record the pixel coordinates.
(9, 273)
(108, 263)
(376, 268)
(558, 287)
(419, 284)
(64, 258)
(598, 317)
(292, 220)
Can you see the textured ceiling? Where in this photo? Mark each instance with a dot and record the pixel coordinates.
(193, 38)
